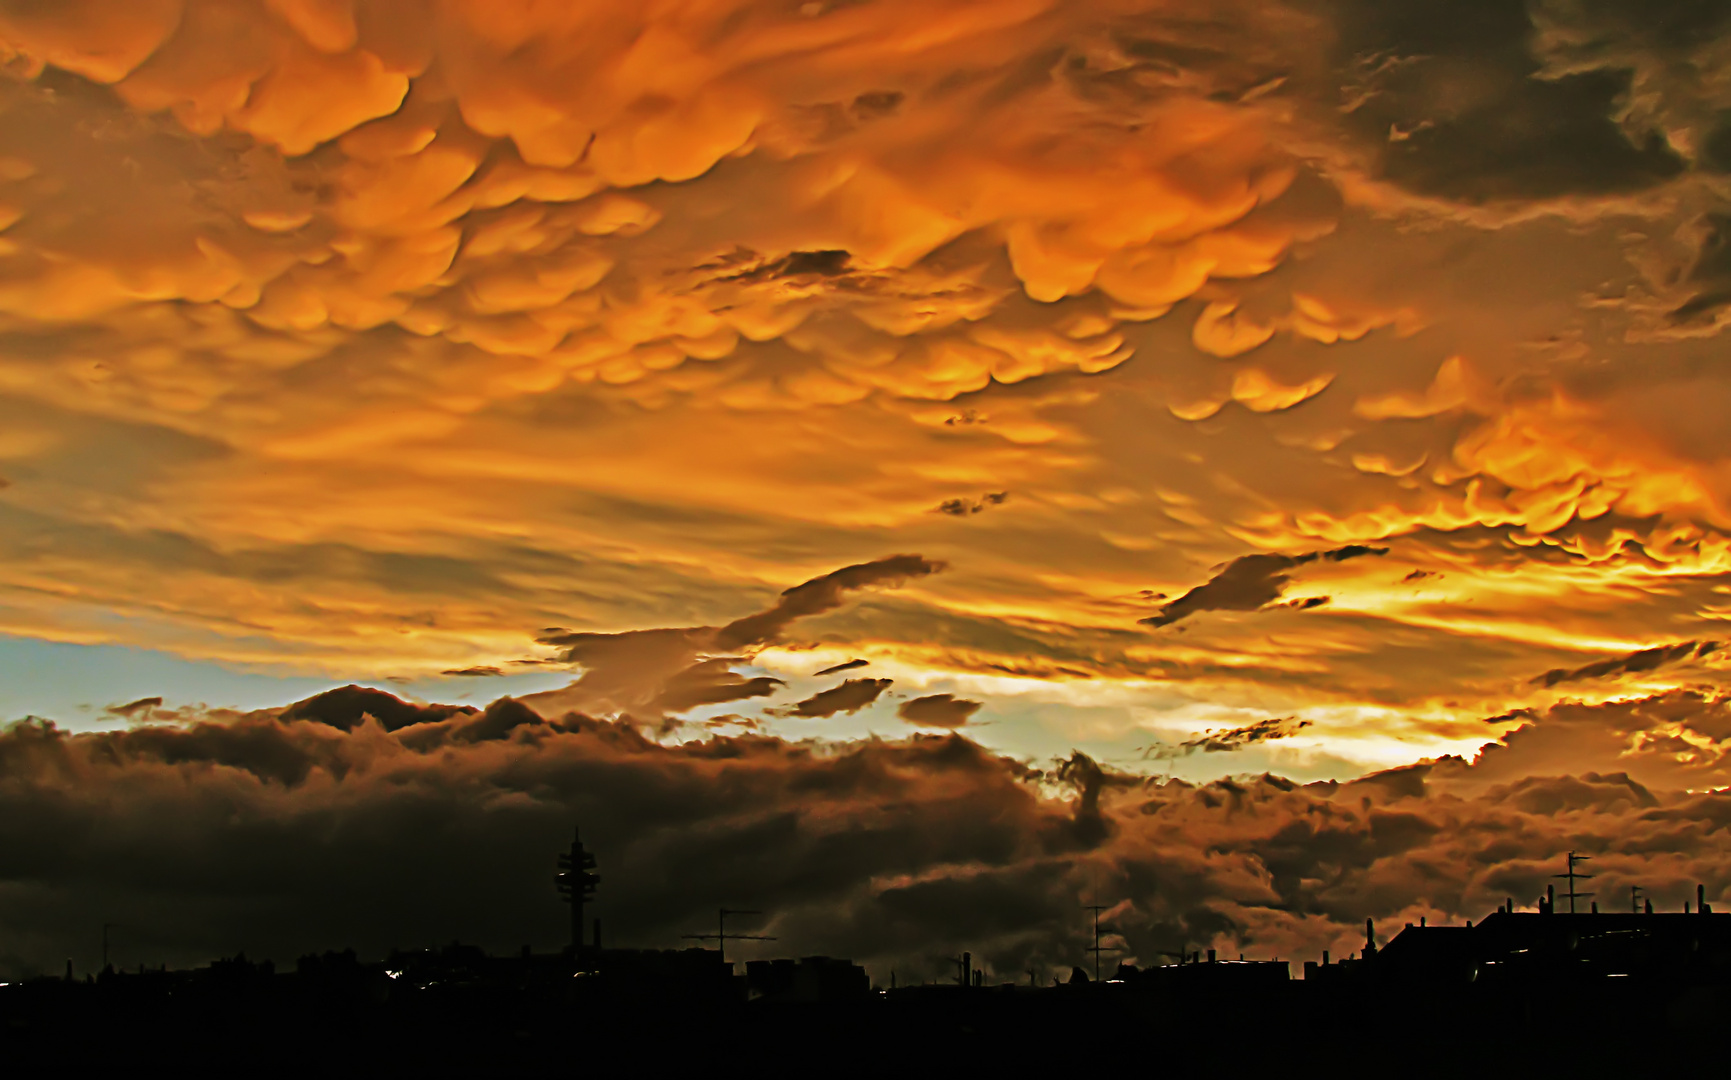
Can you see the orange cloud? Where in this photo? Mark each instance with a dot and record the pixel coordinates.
(384, 334)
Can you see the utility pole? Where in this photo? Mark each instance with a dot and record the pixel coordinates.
(1572, 875)
(721, 937)
(576, 882)
(1095, 948)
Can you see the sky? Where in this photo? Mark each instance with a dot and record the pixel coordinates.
(1184, 404)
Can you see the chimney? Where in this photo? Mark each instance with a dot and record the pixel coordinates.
(967, 969)
(1509, 903)
(1211, 956)
(1595, 908)
(1648, 909)
(1369, 939)
(1325, 958)
(1421, 920)
(1701, 900)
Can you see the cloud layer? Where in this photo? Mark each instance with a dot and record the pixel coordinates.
(428, 339)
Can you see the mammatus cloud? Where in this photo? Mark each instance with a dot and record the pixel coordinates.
(850, 697)
(938, 710)
(1251, 582)
(357, 338)
(291, 830)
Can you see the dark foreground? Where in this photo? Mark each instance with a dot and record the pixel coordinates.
(1516, 995)
(247, 1021)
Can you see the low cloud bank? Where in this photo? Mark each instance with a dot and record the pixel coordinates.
(357, 819)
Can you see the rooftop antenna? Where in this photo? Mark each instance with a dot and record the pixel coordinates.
(1572, 875)
(576, 881)
(1096, 948)
(1635, 892)
(721, 937)
(964, 969)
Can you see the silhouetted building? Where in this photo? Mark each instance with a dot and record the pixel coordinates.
(691, 976)
(1526, 947)
(1247, 975)
(1505, 990)
(808, 979)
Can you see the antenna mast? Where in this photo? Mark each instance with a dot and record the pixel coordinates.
(721, 937)
(1572, 875)
(1096, 949)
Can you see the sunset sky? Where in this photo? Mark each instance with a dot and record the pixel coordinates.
(1214, 388)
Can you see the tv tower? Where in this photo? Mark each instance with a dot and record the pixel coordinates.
(576, 883)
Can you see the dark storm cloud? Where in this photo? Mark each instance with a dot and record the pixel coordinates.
(1575, 102)
(1716, 147)
(836, 669)
(132, 709)
(1707, 277)
(850, 697)
(1465, 108)
(966, 507)
(1229, 740)
(348, 706)
(652, 674)
(1216, 742)
(711, 682)
(281, 836)
(938, 710)
(1632, 663)
(823, 264)
(1251, 582)
(820, 595)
